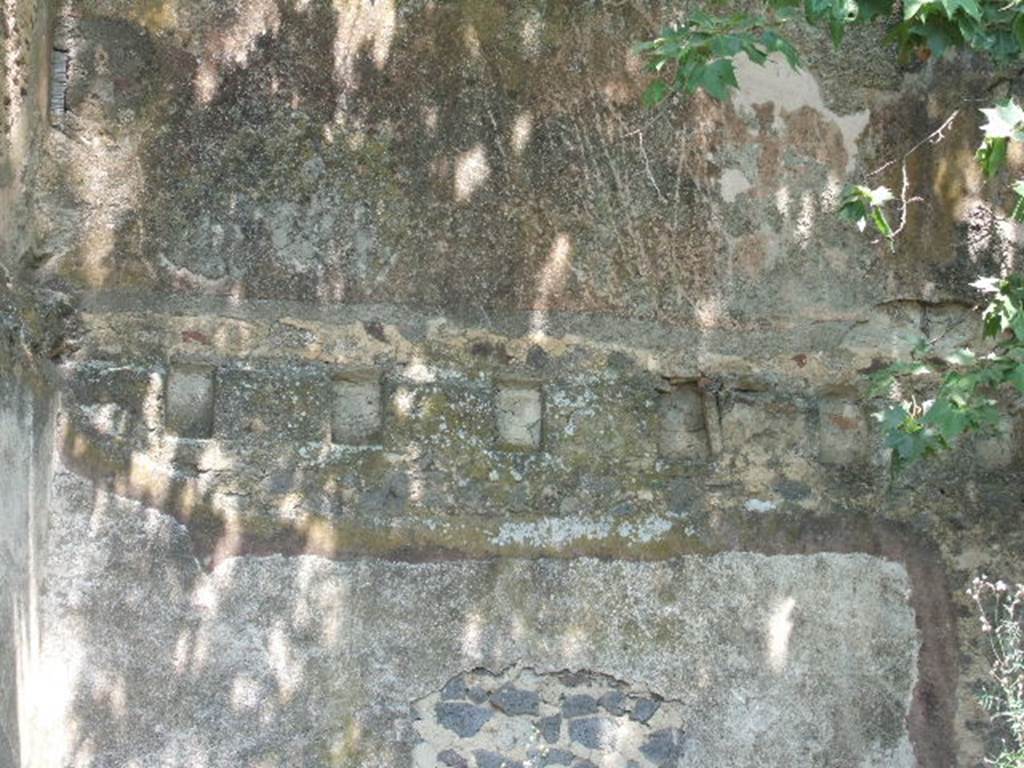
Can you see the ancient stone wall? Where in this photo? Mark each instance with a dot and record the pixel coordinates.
(26, 447)
(425, 400)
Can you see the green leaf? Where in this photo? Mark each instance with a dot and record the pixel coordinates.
(881, 223)
(1018, 208)
(775, 43)
(1018, 29)
(970, 7)
(1016, 377)
(913, 7)
(992, 154)
(656, 92)
(949, 420)
(717, 78)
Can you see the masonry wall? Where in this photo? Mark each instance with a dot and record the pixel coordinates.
(428, 401)
(26, 447)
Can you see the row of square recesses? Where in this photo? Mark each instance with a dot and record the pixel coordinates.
(356, 407)
(688, 423)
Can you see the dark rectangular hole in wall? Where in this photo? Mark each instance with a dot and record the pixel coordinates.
(60, 63)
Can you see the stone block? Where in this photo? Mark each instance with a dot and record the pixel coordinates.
(520, 416)
(998, 451)
(189, 398)
(682, 433)
(355, 408)
(280, 402)
(843, 437)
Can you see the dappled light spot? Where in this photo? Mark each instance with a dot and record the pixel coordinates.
(531, 35)
(472, 637)
(782, 201)
(780, 626)
(553, 276)
(708, 311)
(233, 46)
(362, 23)
(471, 172)
(805, 221)
(471, 40)
(522, 129)
(430, 114)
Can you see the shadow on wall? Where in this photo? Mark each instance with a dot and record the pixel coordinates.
(462, 156)
(301, 661)
(26, 447)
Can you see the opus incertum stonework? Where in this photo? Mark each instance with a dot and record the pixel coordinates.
(381, 385)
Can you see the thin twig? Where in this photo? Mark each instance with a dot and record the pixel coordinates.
(932, 138)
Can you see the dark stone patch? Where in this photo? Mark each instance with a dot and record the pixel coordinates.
(556, 757)
(476, 694)
(578, 704)
(452, 759)
(644, 710)
(496, 352)
(589, 731)
(583, 763)
(663, 747)
(486, 759)
(515, 701)
(465, 720)
(454, 689)
(536, 357)
(572, 679)
(375, 330)
(550, 728)
(614, 702)
(791, 490)
(620, 361)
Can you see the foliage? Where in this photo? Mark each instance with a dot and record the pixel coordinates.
(859, 204)
(1001, 611)
(933, 401)
(922, 420)
(697, 53)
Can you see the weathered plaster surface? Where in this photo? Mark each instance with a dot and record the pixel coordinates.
(396, 340)
(301, 661)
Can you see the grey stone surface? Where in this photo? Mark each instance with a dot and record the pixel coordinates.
(515, 701)
(614, 702)
(578, 704)
(488, 759)
(356, 409)
(189, 400)
(284, 666)
(592, 732)
(663, 747)
(844, 433)
(452, 759)
(644, 709)
(27, 414)
(550, 728)
(462, 719)
(463, 196)
(681, 429)
(287, 403)
(520, 416)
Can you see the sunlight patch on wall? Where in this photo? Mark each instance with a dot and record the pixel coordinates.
(369, 23)
(553, 276)
(522, 129)
(234, 46)
(471, 171)
(780, 627)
